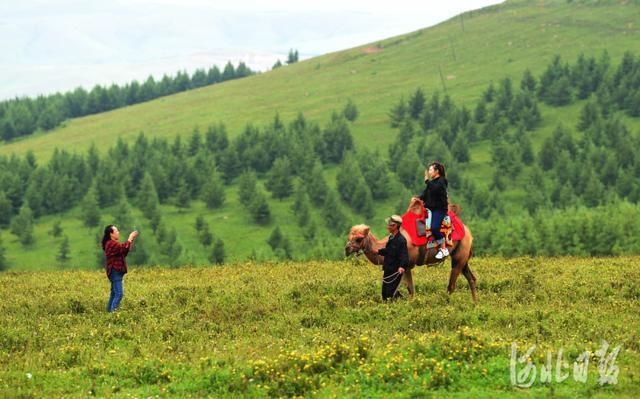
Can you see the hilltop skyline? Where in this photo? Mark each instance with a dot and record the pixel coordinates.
(58, 47)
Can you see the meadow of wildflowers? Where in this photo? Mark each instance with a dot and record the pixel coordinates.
(320, 330)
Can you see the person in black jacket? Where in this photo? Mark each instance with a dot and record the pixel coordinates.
(435, 199)
(396, 259)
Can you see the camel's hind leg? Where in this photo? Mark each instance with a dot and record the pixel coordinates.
(453, 277)
(472, 282)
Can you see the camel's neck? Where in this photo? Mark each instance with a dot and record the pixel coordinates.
(372, 246)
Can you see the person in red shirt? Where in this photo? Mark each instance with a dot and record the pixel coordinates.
(116, 266)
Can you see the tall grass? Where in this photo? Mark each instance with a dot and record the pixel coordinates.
(317, 329)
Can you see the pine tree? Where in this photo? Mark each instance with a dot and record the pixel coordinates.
(63, 253)
(229, 164)
(376, 173)
(212, 192)
(350, 111)
(398, 113)
(435, 149)
(301, 207)
(121, 216)
(362, 199)
(56, 229)
(51, 116)
(547, 155)
(506, 159)
(139, 254)
(39, 203)
(489, 94)
(216, 139)
(594, 191)
(205, 236)
(155, 219)
(229, 72)
(259, 209)
(410, 172)
(480, 114)
(528, 82)
(280, 180)
(247, 187)
(528, 157)
(107, 192)
(505, 95)
(317, 186)
(21, 118)
(3, 259)
(560, 92)
(217, 253)
(181, 82)
(213, 75)
(6, 210)
(183, 197)
(93, 159)
(22, 225)
(416, 103)
(148, 90)
(536, 197)
(200, 223)
(460, 150)
(7, 130)
(632, 104)
(171, 248)
(89, 209)
(275, 239)
(199, 78)
(337, 139)
(348, 176)
(332, 213)
(292, 58)
(147, 198)
(309, 231)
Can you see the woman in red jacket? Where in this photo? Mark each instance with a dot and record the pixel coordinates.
(116, 266)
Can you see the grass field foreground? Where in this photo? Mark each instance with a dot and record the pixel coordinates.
(319, 329)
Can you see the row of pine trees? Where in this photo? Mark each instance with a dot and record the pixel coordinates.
(23, 116)
(586, 168)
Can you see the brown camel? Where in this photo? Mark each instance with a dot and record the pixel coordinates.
(361, 239)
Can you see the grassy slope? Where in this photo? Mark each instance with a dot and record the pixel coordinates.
(496, 42)
(230, 223)
(250, 329)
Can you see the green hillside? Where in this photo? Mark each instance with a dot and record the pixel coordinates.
(468, 52)
(318, 329)
(579, 139)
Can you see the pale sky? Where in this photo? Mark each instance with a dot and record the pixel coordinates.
(58, 45)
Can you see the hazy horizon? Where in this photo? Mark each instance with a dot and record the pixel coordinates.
(61, 45)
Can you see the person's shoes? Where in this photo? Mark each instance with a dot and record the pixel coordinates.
(442, 253)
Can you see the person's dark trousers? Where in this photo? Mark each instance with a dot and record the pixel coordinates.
(117, 290)
(437, 215)
(390, 282)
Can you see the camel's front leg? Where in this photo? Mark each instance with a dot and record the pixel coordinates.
(408, 280)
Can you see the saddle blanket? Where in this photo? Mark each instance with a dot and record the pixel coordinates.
(417, 227)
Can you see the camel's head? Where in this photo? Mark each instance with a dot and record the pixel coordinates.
(356, 240)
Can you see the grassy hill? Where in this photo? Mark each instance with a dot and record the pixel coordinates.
(460, 56)
(319, 330)
(464, 54)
